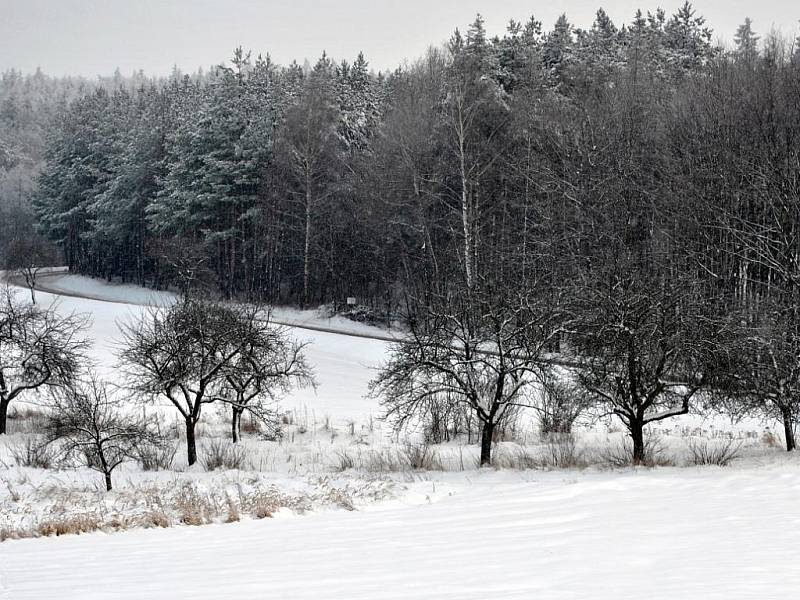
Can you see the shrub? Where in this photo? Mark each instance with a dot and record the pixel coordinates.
(621, 454)
(221, 454)
(515, 457)
(33, 451)
(561, 403)
(719, 453)
(421, 457)
(25, 420)
(345, 461)
(561, 451)
(156, 456)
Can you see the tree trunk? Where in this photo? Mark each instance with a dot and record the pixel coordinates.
(788, 428)
(236, 424)
(636, 428)
(487, 434)
(3, 415)
(104, 466)
(191, 445)
(307, 244)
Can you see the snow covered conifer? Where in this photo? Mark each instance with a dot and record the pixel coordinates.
(746, 41)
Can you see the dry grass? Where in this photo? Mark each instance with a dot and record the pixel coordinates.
(33, 451)
(222, 454)
(720, 452)
(156, 456)
(60, 508)
(68, 524)
(408, 457)
(620, 455)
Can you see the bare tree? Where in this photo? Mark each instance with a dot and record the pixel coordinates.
(646, 348)
(27, 256)
(198, 352)
(763, 378)
(88, 424)
(180, 353)
(268, 365)
(38, 348)
(479, 350)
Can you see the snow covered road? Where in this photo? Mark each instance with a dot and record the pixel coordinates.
(672, 533)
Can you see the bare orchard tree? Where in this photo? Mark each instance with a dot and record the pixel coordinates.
(86, 423)
(27, 256)
(646, 348)
(39, 348)
(764, 374)
(197, 352)
(478, 350)
(180, 353)
(268, 365)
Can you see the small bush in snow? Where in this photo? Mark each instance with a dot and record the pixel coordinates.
(562, 452)
(221, 454)
(516, 457)
(344, 461)
(33, 451)
(621, 454)
(421, 457)
(157, 455)
(719, 453)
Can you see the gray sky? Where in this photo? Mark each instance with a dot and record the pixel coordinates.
(90, 37)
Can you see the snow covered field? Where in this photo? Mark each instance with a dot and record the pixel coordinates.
(343, 364)
(673, 532)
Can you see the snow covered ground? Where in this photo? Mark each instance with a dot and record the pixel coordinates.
(87, 287)
(343, 365)
(688, 532)
(671, 533)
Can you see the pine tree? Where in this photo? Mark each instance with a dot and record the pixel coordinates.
(557, 49)
(687, 39)
(76, 169)
(599, 50)
(119, 217)
(216, 164)
(746, 41)
(359, 105)
(519, 55)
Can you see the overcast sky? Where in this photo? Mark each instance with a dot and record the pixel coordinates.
(91, 37)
